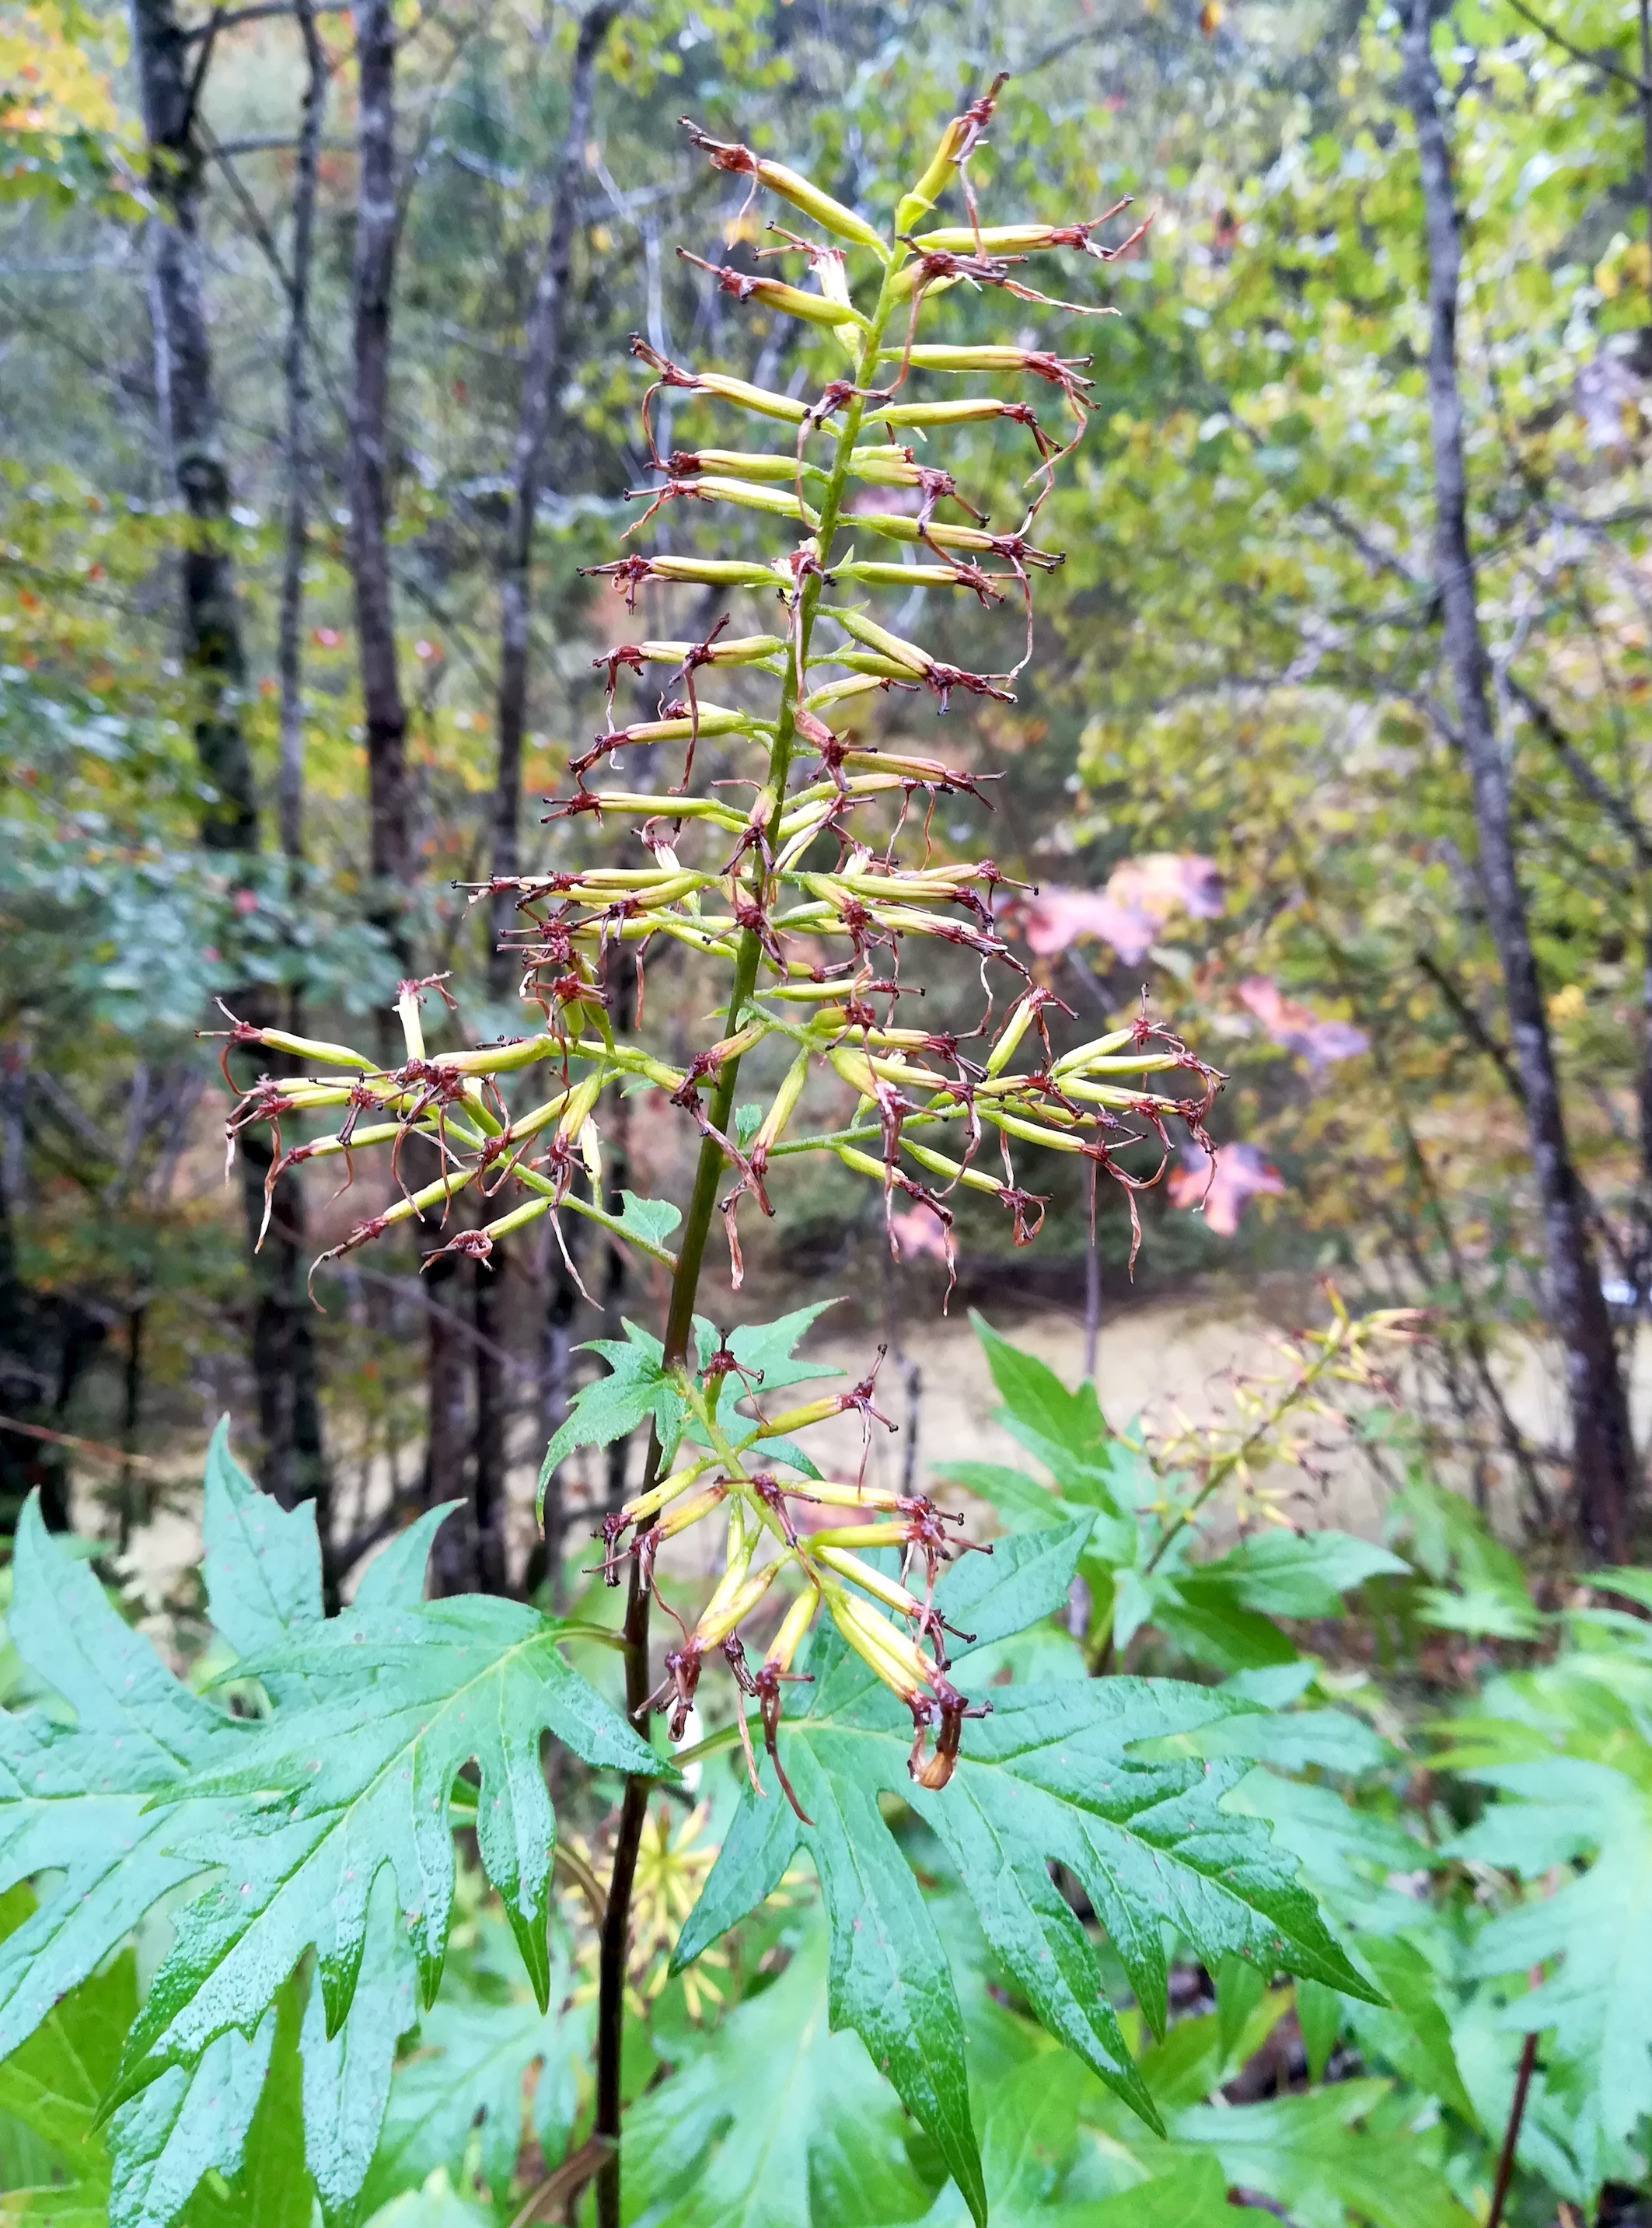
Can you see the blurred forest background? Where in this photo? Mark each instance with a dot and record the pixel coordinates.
(316, 398)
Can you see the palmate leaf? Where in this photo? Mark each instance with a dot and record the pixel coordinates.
(81, 1801)
(1317, 2156)
(1352, 2148)
(764, 1352)
(1566, 1747)
(262, 1562)
(193, 2119)
(54, 2081)
(89, 1799)
(1595, 1932)
(774, 2122)
(1030, 2139)
(1220, 1612)
(363, 1779)
(271, 2185)
(395, 1576)
(141, 2170)
(1062, 1425)
(637, 1390)
(483, 2067)
(1412, 2034)
(74, 1799)
(1049, 1776)
(634, 1389)
(347, 2075)
(262, 1567)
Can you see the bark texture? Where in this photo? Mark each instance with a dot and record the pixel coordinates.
(45, 1342)
(545, 352)
(171, 68)
(1604, 1467)
(170, 81)
(373, 282)
(290, 624)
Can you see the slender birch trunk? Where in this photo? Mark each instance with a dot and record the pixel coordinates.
(373, 283)
(1604, 1467)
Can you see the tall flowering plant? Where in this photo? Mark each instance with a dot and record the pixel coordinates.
(809, 899)
(829, 851)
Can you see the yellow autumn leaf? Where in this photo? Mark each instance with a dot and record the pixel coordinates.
(49, 81)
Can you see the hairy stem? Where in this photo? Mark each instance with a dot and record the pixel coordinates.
(685, 1285)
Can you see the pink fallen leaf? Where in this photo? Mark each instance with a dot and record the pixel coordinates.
(1053, 918)
(1161, 881)
(1241, 1171)
(1297, 1027)
(1139, 898)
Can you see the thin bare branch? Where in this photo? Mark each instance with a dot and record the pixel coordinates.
(1599, 60)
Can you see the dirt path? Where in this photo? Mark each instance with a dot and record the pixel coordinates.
(1152, 1351)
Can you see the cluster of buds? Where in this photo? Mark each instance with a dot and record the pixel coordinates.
(809, 896)
(892, 1624)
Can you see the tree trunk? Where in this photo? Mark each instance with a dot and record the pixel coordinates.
(29, 1372)
(169, 86)
(289, 629)
(377, 227)
(285, 1366)
(1603, 1451)
(542, 379)
(283, 1352)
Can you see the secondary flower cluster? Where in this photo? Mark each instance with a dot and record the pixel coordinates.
(810, 898)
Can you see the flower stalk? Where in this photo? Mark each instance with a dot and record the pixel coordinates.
(832, 852)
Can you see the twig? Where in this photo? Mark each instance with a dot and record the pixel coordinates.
(1616, 808)
(1511, 2133)
(351, 1551)
(577, 1871)
(270, 143)
(82, 1446)
(1471, 1024)
(410, 1289)
(1610, 68)
(564, 2181)
(226, 20)
(544, 353)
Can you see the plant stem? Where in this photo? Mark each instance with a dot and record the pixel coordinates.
(685, 1285)
(1308, 1376)
(615, 1940)
(1511, 2133)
